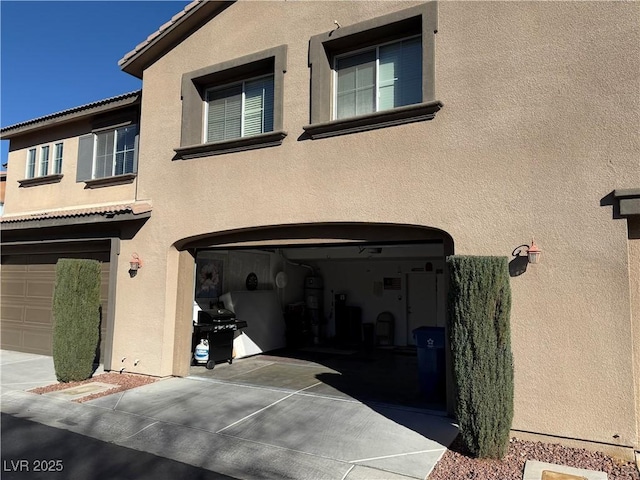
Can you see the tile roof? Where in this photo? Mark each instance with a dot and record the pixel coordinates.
(163, 28)
(73, 110)
(136, 208)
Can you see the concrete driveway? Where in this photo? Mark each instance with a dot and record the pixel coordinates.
(244, 431)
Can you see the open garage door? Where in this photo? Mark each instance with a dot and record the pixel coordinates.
(343, 294)
(342, 298)
(390, 276)
(28, 282)
(345, 312)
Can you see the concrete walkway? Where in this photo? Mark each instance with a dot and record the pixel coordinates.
(243, 431)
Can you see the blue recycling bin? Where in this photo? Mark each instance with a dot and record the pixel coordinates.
(431, 363)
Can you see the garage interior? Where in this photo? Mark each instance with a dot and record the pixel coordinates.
(337, 319)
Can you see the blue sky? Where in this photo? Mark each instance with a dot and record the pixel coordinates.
(58, 55)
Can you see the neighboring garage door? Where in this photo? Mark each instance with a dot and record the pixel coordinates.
(27, 298)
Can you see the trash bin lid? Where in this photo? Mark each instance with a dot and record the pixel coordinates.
(429, 337)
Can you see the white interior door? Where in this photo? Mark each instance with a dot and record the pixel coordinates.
(422, 302)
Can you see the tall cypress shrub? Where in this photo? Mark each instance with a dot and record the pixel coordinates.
(480, 337)
(76, 313)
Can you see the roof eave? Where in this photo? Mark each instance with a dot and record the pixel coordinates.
(30, 126)
(68, 221)
(170, 34)
(65, 217)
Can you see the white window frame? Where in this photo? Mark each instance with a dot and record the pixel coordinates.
(30, 170)
(56, 167)
(44, 162)
(205, 124)
(36, 161)
(334, 72)
(114, 153)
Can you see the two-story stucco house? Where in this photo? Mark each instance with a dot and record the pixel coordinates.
(345, 149)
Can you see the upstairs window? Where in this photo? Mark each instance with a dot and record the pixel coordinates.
(44, 160)
(114, 152)
(39, 166)
(234, 106)
(239, 110)
(374, 74)
(377, 79)
(31, 163)
(108, 153)
(57, 158)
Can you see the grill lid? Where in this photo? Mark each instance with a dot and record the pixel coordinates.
(216, 315)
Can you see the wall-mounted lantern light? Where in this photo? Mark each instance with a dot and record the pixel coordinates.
(134, 264)
(533, 252)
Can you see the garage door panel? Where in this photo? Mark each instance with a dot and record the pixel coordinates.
(12, 287)
(38, 341)
(38, 315)
(12, 313)
(11, 337)
(40, 289)
(42, 266)
(104, 292)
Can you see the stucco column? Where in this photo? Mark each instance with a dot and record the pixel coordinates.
(183, 314)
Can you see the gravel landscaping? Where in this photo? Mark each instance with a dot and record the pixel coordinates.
(124, 381)
(456, 465)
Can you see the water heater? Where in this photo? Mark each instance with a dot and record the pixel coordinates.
(314, 301)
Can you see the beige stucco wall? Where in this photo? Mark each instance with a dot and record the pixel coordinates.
(64, 194)
(540, 123)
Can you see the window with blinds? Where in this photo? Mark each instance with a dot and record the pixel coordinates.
(239, 110)
(105, 154)
(115, 152)
(377, 79)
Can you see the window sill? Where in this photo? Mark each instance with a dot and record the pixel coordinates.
(44, 180)
(398, 116)
(270, 139)
(110, 181)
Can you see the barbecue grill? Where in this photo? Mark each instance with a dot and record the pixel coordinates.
(218, 326)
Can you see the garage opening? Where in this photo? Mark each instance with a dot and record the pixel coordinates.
(337, 316)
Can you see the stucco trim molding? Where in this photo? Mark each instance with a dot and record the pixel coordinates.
(419, 20)
(270, 139)
(110, 181)
(628, 200)
(398, 116)
(44, 180)
(196, 83)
